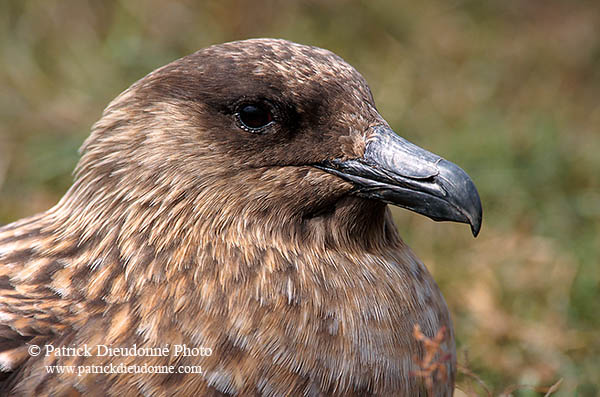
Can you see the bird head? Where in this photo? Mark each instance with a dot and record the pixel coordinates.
(264, 131)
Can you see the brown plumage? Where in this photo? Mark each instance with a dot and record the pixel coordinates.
(234, 199)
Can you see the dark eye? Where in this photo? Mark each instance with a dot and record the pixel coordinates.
(254, 117)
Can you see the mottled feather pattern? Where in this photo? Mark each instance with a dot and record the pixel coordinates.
(181, 229)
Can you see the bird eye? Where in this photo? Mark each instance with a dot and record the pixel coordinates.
(254, 117)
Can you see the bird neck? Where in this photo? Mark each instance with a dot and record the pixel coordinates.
(155, 239)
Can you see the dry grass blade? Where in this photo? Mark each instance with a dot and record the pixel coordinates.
(464, 370)
(433, 364)
(553, 388)
(539, 389)
(467, 372)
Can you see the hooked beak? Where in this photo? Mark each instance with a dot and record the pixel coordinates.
(398, 172)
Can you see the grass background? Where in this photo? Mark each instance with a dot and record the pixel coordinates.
(509, 90)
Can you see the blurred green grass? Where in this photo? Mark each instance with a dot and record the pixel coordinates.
(508, 90)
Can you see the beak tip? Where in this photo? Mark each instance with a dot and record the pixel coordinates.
(475, 227)
(476, 216)
(462, 193)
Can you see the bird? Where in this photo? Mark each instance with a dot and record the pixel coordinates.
(234, 202)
